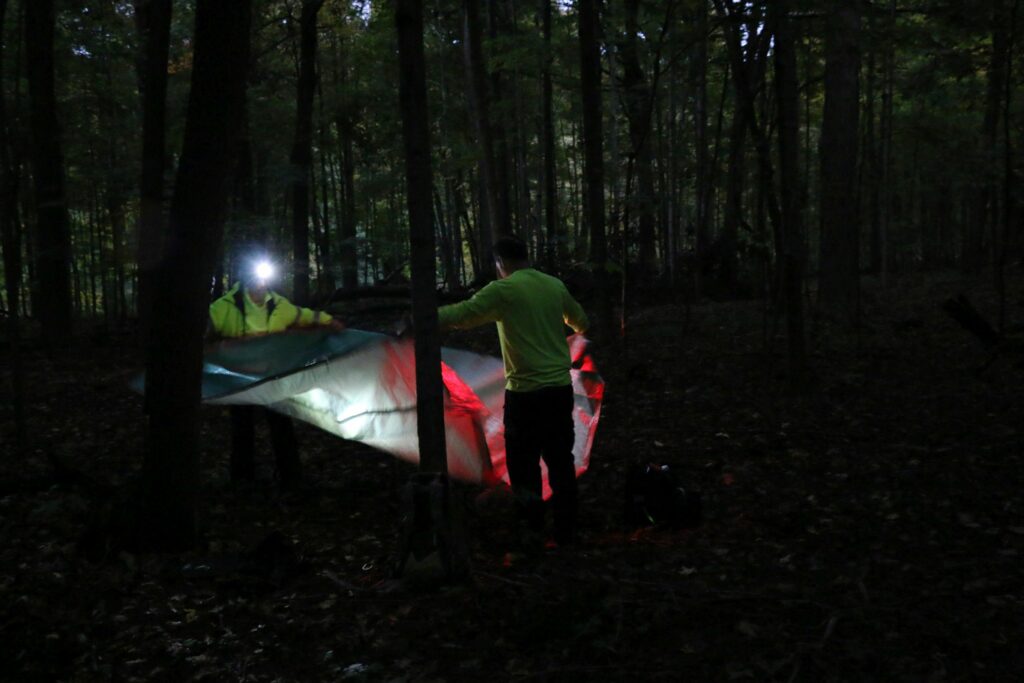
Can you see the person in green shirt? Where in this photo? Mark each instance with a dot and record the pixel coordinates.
(531, 310)
(248, 309)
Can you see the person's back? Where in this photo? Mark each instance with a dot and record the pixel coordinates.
(531, 310)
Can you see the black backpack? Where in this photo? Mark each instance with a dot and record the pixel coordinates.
(655, 498)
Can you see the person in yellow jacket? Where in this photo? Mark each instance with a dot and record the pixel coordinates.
(248, 309)
(531, 310)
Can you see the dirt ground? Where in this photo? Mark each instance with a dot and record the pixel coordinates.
(870, 529)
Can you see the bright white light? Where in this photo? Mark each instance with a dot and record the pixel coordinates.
(264, 271)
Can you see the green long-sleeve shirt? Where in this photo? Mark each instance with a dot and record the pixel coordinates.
(531, 310)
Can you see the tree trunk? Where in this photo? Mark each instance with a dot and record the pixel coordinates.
(702, 189)
(196, 221)
(871, 151)
(839, 265)
(419, 187)
(745, 96)
(345, 123)
(502, 162)
(52, 285)
(593, 144)
(10, 240)
(638, 108)
(558, 252)
(885, 144)
(301, 156)
(496, 223)
(989, 214)
(153, 22)
(787, 95)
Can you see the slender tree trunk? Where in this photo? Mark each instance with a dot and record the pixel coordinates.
(839, 264)
(787, 94)
(702, 187)
(990, 195)
(301, 156)
(1009, 176)
(170, 489)
(886, 130)
(745, 95)
(638, 106)
(325, 284)
(590, 84)
(502, 162)
(496, 223)
(349, 256)
(10, 240)
(874, 168)
(728, 241)
(558, 252)
(52, 285)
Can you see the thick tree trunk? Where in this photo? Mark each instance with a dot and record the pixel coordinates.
(52, 284)
(302, 150)
(173, 366)
(153, 22)
(839, 265)
(419, 187)
(787, 95)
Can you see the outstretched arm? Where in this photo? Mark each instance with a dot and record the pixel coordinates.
(483, 307)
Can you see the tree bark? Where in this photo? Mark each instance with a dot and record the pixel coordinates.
(10, 240)
(638, 108)
(593, 143)
(702, 189)
(496, 223)
(558, 252)
(419, 188)
(787, 96)
(170, 485)
(839, 265)
(302, 149)
(153, 22)
(52, 284)
(345, 123)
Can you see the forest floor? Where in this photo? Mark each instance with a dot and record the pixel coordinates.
(869, 530)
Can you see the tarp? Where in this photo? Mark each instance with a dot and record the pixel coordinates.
(361, 386)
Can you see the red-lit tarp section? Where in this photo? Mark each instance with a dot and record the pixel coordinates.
(361, 386)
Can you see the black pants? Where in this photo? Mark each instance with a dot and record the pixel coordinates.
(243, 444)
(539, 424)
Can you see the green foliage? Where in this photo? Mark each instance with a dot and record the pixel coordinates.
(940, 81)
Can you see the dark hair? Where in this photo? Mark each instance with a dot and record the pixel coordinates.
(510, 248)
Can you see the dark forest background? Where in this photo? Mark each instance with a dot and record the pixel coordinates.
(906, 120)
(763, 205)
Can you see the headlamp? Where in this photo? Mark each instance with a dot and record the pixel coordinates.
(264, 271)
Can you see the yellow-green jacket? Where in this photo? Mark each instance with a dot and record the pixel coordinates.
(236, 315)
